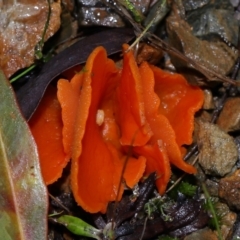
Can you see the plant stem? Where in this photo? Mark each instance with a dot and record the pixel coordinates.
(23, 73)
(212, 211)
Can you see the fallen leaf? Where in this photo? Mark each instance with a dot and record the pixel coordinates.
(212, 55)
(23, 195)
(21, 28)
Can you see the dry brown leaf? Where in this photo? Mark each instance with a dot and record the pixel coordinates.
(21, 28)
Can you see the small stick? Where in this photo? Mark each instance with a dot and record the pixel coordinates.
(60, 203)
(180, 178)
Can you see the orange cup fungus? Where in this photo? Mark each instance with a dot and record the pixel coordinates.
(106, 117)
(46, 126)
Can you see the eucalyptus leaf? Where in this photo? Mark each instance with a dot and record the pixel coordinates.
(30, 94)
(23, 195)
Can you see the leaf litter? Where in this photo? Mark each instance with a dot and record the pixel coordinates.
(21, 28)
(209, 74)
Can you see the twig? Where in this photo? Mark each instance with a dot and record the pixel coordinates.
(212, 75)
(180, 178)
(161, 11)
(144, 228)
(60, 203)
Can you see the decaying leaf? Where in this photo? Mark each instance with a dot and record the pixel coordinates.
(23, 196)
(21, 28)
(215, 21)
(213, 55)
(201, 71)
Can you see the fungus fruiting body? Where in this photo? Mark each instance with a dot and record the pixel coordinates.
(46, 126)
(134, 119)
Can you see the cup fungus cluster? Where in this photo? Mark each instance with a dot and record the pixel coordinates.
(105, 117)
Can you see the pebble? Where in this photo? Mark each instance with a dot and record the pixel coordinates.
(229, 190)
(217, 150)
(227, 218)
(229, 118)
(212, 187)
(203, 234)
(208, 100)
(234, 3)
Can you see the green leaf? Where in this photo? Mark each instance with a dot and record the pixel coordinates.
(23, 195)
(79, 227)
